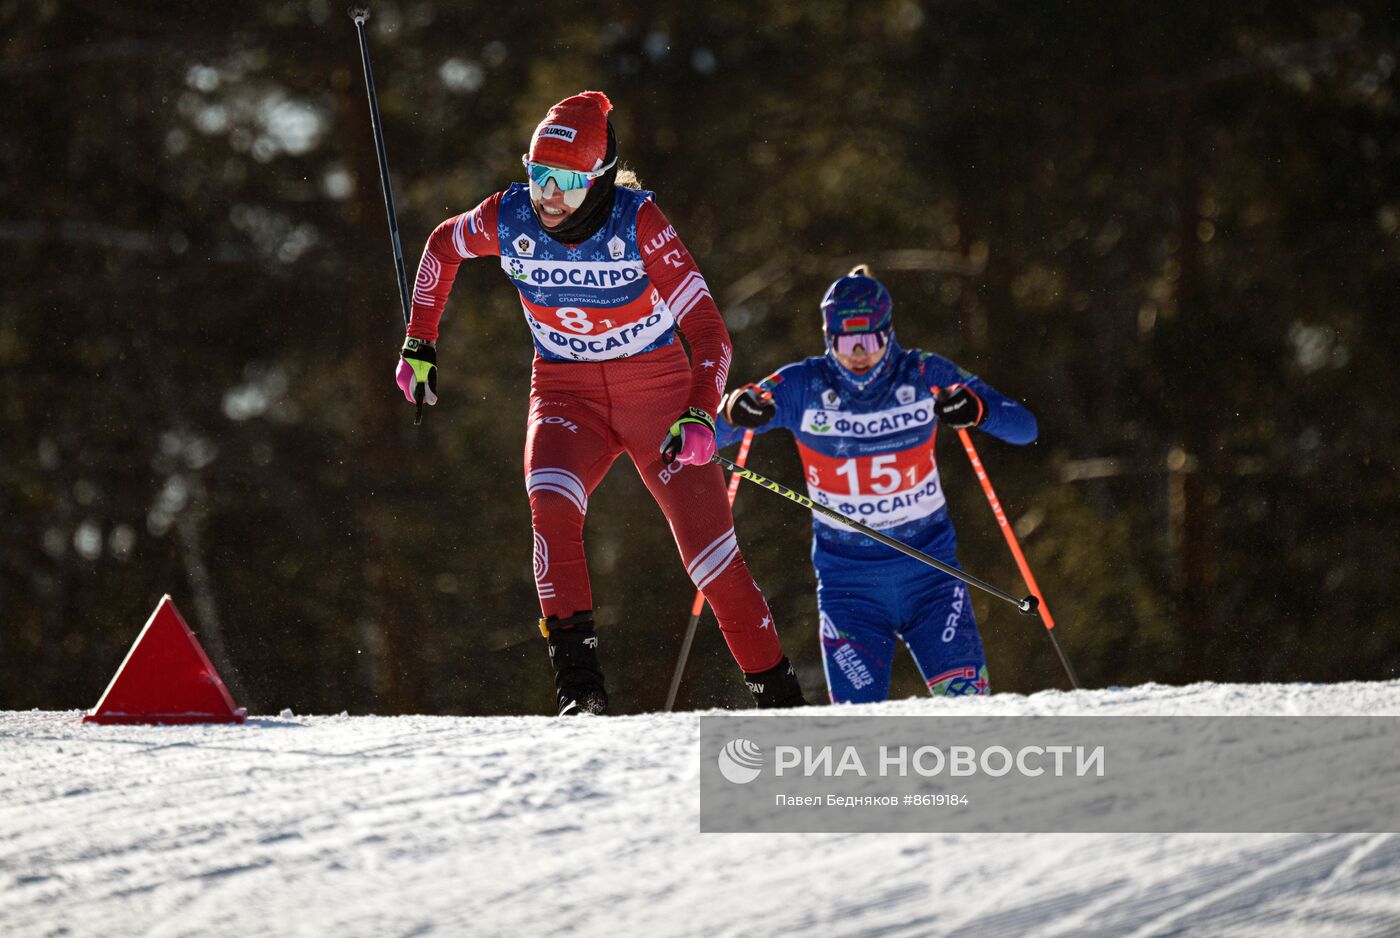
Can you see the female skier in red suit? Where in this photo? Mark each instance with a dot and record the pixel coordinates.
(605, 283)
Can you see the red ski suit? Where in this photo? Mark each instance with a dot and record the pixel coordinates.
(585, 413)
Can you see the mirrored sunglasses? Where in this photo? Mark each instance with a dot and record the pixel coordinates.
(571, 183)
(847, 344)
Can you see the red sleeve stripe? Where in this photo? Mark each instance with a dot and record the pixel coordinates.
(722, 374)
(429, 273)
(458, 241)
(691, 290)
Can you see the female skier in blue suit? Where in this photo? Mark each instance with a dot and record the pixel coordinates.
(865, 416)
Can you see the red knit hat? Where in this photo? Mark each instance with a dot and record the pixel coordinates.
(574, 134)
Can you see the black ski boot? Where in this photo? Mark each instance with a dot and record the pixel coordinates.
(777, 687)
(573, 651)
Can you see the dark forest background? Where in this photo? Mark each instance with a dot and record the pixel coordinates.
(1170, 229)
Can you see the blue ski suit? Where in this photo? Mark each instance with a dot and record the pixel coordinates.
(867, 447)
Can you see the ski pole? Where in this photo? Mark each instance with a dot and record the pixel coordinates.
(698, 608)
(1027, 605)
(1015, 546)
(359, 15)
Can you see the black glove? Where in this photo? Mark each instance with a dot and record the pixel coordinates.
(959, 408)
(749, 406)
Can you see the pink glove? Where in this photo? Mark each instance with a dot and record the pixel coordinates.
(691, 439)
(417, 369)
(698, 447)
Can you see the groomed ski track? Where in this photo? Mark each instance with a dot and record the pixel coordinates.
(400, 826)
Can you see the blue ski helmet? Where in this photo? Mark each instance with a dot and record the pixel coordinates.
(857, 303)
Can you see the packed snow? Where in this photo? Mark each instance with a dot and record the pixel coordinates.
(398, 826)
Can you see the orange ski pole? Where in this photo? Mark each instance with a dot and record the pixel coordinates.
(1015, 546)
(698, 608)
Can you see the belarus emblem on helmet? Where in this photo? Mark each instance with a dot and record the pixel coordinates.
(857, 303)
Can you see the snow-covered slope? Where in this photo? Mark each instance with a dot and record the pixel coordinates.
(382, 826)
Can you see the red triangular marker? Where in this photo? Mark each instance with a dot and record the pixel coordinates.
(166, 678)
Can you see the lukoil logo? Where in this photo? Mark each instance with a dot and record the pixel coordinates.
(740, 761)
(559, 132)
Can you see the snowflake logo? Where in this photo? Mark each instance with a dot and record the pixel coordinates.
(575, 254)
(596, 256)
(539, 296)
(523, 213)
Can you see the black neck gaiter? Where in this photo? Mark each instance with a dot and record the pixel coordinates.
(597, 206)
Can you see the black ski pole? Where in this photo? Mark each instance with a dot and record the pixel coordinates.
(1027, 605)
(698, 608)
(359, 15)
